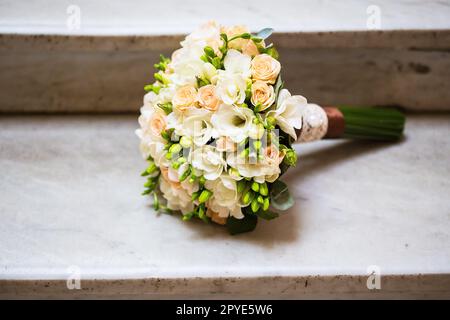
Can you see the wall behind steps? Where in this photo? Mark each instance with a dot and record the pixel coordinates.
(58, 73)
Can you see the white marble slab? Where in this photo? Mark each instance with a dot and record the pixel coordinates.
(70, 198)
(143, 17)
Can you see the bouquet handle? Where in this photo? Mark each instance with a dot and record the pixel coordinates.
(368, 123)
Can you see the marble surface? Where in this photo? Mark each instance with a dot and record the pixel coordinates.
(70, 198)
(115, 17)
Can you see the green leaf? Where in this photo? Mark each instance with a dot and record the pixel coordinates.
(278, 86)
(267, 215)
(246, 224)
(280, 198)
(264, 33)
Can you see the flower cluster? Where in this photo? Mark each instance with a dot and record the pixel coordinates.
(216, 128)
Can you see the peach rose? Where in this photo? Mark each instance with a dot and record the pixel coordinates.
(273, 154)
(207, 97)
(157, 123)
(185, 97)
(265, 68)
(215, 217)
(262, 94)
(165, 176)
(247, 46)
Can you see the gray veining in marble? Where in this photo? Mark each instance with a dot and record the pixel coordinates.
(70, 196)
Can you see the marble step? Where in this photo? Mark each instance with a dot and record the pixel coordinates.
(71, 210)
(332, 52)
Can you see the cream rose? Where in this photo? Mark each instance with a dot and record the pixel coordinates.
(265, 68)
(185, 97)
(207, 97)
(262, 94)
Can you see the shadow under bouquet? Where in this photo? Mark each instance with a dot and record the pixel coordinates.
(217, 128)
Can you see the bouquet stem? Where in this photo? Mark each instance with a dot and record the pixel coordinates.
(372, 123)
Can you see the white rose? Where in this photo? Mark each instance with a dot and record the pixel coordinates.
(233, 121)
(225, 199)
(207, 35)
(207, 160)
(231, 88)
(177, 198)
(236, 62)
(288, 113)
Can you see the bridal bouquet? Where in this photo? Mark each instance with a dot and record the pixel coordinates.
(217, 128)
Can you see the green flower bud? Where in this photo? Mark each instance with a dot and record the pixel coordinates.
(266, 204)
(248, 197)
(255, 186)
(185, 174)
(185, 142)
(165, 135)
(244, 153)
(204, 196)
(209, 51)
(264, 189)
(202, 180)
(175, 148)
(152, 168)
(257, 144)
(291, 157)
(260, 199)
(241, 186)
(155, 202)
(176, 165)
(195, 195)
(255, 205)
(271, 121)
(201, 211)
(168, 155)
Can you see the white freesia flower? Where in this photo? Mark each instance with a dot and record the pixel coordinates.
(196, 124)
(188, 65)
(231, 87)
(209, 161)
(225, 199)
(233, 121)
(177, 198)
(236, 62)
(288, 113)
